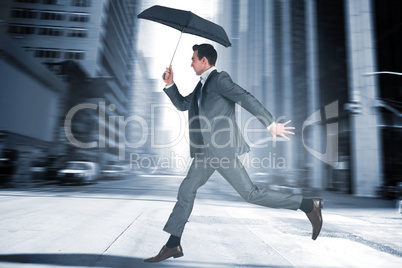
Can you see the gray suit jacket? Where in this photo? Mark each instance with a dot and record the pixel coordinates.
(214, 126)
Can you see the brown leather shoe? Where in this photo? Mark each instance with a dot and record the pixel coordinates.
(315, 217)
(166, 253)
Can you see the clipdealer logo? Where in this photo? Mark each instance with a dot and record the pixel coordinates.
(330, 156)
(115, 127)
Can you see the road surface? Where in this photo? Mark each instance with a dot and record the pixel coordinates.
(117, 223)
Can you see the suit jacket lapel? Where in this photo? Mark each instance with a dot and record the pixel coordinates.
(204, 89)
(209, 78)
(194, 100)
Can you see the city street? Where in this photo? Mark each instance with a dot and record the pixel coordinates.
(117, 223)
(122, 95)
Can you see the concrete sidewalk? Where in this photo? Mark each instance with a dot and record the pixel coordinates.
(50, 228)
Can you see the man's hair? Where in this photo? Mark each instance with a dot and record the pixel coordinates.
(207, 51)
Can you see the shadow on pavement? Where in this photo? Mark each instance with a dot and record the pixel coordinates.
(93, 260)
(90, 260)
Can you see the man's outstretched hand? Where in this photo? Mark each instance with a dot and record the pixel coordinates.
(280, 129)
(168, 76)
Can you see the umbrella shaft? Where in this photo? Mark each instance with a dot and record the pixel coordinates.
(176, 48)
(174, 53)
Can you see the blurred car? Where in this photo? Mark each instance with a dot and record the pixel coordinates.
(114, 172)
(38, 170)
(8, 160)
(45, 169)
(79, 172)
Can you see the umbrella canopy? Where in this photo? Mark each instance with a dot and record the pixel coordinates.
(186, 22)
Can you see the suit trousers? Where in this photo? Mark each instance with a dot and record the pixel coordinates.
(201, 169)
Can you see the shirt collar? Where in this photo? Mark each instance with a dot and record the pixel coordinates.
(204, 75)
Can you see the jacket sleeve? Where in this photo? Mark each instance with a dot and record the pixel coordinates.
(180, 102)
(245, 99)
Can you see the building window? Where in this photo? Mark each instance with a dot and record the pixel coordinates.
(47, 53)
(74, 55)
(53, 31)
(28, 1)
(21, 29)
(51, 15)
(81, 17)
(81, 3)
(77, 32)
(49, 2)
(24, 13)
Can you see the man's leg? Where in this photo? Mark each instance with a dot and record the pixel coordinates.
(237, 176)
(198, 175)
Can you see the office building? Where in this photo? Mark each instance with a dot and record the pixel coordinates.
(90, 45)
(321, 63)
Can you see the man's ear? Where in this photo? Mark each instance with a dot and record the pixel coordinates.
(205, 60)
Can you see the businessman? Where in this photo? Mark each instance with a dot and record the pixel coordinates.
(215, 144)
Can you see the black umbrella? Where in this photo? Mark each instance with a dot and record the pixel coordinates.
(186, 22)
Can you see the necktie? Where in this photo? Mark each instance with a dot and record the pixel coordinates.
(200, 92)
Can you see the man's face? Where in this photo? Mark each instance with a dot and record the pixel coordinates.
(198, 65)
